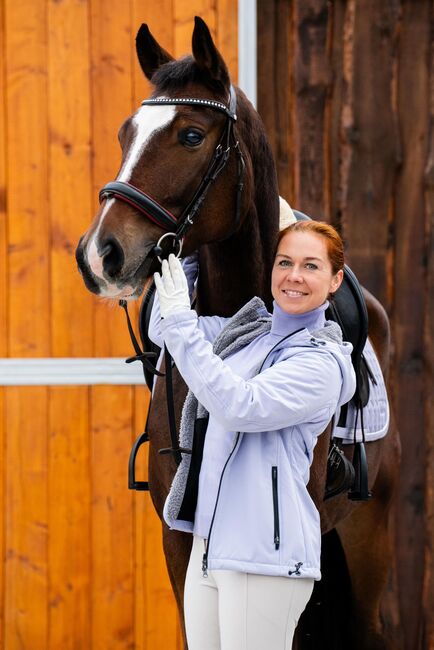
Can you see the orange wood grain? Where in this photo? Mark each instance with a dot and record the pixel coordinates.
(227, 34)
(184, 13)
(160, 627)
(26, 521)
(141, 611)
(28, 228)
(69, 174)
(69, 517)
(111, 91)
(160, 23)
(112, 519)
(2, 506)
(3, 196)
(3, 307)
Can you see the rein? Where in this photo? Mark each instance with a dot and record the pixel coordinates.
(176, 227)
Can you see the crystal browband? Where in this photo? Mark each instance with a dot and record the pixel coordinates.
(190, 101)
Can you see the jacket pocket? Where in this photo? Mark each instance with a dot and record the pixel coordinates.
(275, 508)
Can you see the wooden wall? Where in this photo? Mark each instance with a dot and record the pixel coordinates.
(346, 92)
(82, 566)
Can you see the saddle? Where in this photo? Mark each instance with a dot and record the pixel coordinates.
(348, 309)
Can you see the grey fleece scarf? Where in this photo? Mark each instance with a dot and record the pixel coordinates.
(249, 322)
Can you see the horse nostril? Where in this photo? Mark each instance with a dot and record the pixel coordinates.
(113, 257)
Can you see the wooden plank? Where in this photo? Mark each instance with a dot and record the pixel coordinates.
(69, 510)
(312, 80)
(276, 87)
(26, 519)
(370, 136)
(112, 603)
(183, 16)
(341, 46)
(141, 613)
(111, 105)
(70, 186)
(227, 34)
(157, 624)
(410, 350)
(3, 308)
(3, 193)
(28, 229)
(428, 587)
(161, 25)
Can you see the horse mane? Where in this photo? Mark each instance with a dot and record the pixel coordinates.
(175, 75)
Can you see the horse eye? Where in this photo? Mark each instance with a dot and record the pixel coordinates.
(190, 137)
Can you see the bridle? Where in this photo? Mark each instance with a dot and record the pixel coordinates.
(176, 227)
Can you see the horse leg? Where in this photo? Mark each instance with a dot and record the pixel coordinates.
(366, 540)
(177, 548)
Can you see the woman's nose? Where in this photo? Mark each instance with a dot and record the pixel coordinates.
(294, 274)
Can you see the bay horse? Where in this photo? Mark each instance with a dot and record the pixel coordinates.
(167, 146)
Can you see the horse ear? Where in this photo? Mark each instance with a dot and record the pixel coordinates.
(150, 54)
(206, 55)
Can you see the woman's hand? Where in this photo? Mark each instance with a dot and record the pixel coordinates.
(172, 287)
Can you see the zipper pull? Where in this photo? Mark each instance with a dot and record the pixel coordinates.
(205, 565)
(276, 542)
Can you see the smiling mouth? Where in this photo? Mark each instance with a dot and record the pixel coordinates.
(293, 294)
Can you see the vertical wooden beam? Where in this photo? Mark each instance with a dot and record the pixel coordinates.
(69, 507)
(111, 93)
(26, 621)
(112, 521)
(184, 13)
(69, 503)
(227, 34)
(428, 586)
(312, 80)
(370, 137)
(3, 306)
(69, 173)
(26, 571)
(409, 273)
(276, 87)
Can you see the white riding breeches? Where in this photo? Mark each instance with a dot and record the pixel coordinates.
(232, 610)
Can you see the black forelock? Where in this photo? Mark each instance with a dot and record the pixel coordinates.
(175, 75)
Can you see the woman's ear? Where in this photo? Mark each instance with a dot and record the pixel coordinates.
(336, 281)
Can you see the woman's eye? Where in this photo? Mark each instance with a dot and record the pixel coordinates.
(311, 266)
(284, 263)
(190, 137)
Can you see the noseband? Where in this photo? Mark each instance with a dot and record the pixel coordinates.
(146, 205)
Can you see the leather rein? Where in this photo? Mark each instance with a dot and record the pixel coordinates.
(176, 228)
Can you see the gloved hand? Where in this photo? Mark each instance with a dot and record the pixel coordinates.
(172, 287)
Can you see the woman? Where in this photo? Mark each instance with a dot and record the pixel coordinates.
(271, 384)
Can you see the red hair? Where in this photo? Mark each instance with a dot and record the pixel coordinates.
(333, 240)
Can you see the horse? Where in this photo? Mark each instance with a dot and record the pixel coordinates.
(189, 163)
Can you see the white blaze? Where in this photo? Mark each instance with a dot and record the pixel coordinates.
(146, 122)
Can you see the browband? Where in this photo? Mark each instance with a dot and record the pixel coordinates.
(194, 101)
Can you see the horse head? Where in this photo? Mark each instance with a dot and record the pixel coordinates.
(187, 172)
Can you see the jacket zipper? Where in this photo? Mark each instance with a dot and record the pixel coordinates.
(205, 555)
(275, 508)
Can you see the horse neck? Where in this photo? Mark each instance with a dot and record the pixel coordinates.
(236, 269)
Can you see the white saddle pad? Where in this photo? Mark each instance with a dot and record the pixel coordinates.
(376, 413)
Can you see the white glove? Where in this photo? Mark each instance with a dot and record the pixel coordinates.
(172, 287)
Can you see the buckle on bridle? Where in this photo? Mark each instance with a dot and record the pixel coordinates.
(158, 250)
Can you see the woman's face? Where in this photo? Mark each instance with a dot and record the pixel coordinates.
(302, 276)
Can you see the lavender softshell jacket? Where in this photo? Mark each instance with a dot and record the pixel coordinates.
(262, 431)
